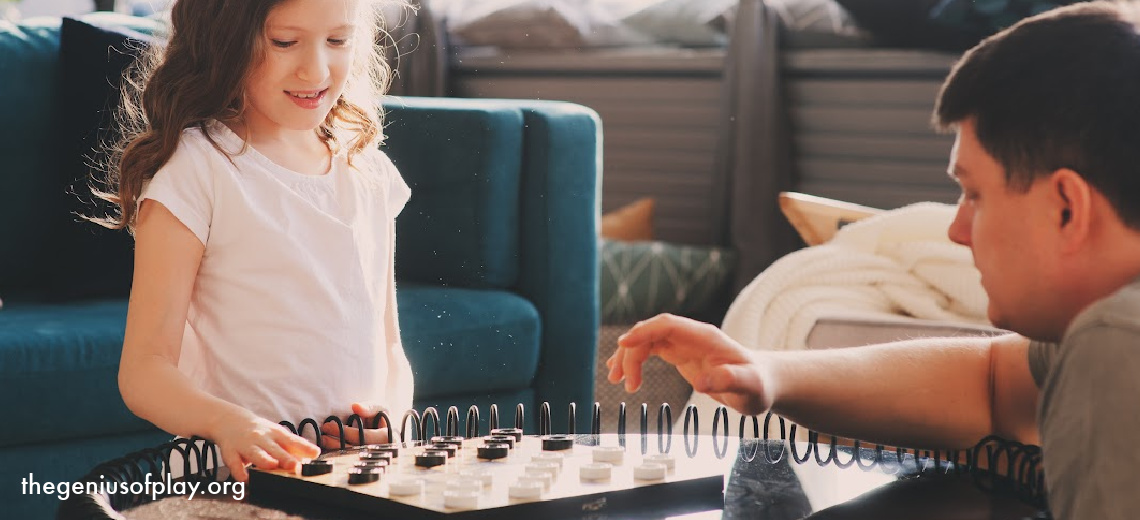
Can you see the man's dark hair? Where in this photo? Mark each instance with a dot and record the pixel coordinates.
(1058, 90)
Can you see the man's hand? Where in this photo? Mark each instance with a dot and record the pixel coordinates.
(705, 356)
(330, 440)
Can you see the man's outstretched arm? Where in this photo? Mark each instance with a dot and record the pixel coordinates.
(931, 393)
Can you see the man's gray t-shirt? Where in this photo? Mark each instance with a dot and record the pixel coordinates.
(1089, 410)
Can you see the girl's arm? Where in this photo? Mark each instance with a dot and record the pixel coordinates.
(167, 256)
(400, 388)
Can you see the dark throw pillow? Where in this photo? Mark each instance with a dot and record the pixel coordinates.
(952, 25)
(989, 16)
(92, 261)
(907, 24)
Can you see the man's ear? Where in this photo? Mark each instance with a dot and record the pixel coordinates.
(1072, 206)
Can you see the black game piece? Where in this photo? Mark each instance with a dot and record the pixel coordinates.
(378, 464)
(509, 440)
(557, 442)
(515, 432)
(394, 449)
(316, 467)
(448, 439)
(493, 451)
(431, 459)
(363, 475)
(451, 449)
(376, 455)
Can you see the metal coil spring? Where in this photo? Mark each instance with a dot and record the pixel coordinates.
(1006, 466)
(200, 463)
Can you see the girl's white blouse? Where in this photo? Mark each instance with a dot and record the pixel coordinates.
(293, 311)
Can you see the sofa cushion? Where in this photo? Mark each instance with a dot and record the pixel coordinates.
(30, 68)
(60, 462)
(461, 225)
(67, 356)
(468, 340)
(91, 261)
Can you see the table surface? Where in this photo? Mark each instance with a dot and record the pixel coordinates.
(770, 486)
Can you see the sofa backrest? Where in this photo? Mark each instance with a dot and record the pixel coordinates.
(59, 79)
(461, 226)
(29, 153)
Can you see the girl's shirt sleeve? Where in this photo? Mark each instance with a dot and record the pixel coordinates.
(185, 186)
(397, 191)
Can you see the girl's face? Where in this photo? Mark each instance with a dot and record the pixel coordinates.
(308, 53)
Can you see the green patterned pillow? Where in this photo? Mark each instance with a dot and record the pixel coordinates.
(642, 279)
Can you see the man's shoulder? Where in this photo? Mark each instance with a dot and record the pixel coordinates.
(1119, 310)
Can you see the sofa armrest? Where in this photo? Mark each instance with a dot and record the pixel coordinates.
(555, 150)
(853, 331)
(559, 248)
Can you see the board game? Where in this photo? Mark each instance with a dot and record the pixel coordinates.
(506, 475)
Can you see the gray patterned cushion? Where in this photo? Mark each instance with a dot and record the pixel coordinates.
(642, 279)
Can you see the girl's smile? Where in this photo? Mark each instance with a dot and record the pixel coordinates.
(307, 99)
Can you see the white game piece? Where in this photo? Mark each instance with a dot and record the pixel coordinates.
(543, 478)
(439, 479)
(461, 499)
(525, 489)
(662, 458)
(465, 484)
(406, 487)
(543, 467)
(595, 471)
(611, 454)
(481, 475)
(549, 456)
(649, 471)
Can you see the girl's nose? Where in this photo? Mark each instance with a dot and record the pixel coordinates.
(313, 67)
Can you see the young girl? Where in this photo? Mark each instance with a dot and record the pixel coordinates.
(263, 214)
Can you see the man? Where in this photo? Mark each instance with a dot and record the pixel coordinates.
(1047, 116)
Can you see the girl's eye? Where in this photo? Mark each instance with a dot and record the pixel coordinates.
(338, 42)
(282, 43)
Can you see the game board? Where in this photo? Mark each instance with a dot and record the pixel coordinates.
(539, 476)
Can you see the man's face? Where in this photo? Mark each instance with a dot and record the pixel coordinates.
(1007, 234)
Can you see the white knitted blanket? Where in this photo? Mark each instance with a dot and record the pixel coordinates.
(899, 262)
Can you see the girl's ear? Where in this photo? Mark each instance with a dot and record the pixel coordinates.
(1072, 208)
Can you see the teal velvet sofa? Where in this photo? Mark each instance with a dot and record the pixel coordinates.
(496, 267)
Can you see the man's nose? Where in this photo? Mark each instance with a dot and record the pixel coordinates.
(959, 231)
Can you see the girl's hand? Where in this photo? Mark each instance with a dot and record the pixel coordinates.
(249, 439)
(331, 438)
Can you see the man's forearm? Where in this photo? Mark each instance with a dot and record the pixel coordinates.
(932, 393)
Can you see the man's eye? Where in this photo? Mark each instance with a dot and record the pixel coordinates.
(283, 44)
